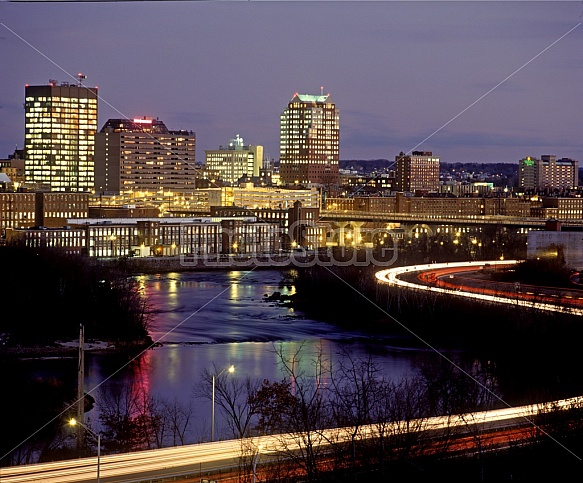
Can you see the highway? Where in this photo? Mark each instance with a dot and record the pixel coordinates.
(201, 460)
(434, 277)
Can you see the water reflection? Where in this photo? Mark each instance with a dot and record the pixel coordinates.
(217, 319)
(224, 318)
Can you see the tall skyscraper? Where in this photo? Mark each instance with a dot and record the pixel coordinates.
(309, 141)
(235, 161)
(144, 155)
(417, 171)
(60, 125)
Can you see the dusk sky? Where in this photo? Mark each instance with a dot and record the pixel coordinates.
(470, 81)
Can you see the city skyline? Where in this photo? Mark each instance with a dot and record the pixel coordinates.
(469, 81)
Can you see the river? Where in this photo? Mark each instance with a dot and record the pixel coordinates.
(214, 319)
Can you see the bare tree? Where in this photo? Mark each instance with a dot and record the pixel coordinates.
(307, 414)
(130, 419)
(177, 419)
(464, 394)
(404, 414)
(233, 395)
(355, 391)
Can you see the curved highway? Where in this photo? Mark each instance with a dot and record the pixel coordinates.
(433, 277)
(207, 458)
(204, 459)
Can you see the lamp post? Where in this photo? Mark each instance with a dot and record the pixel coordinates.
(255, 462)
(74, 422)
(231, 369)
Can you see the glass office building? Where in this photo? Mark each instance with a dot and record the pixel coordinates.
(61, 121)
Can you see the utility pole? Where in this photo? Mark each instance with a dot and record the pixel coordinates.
(81, 389)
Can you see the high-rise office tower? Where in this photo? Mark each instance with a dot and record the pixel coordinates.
(309, 141)
(235, 161)
(60, 125)
(417, 171)
(143, 155)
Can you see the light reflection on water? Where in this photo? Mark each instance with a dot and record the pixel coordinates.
(214, 319)
(173, 371)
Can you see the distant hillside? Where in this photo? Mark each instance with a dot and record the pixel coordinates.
(497, 171)
(508, 170)
(367, 165)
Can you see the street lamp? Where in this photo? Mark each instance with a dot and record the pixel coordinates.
(74, 422)
(255, 462)
(231, 369)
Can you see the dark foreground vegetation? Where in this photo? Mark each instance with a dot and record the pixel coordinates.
(351, 394)
(545, 271)
(47, 294)
(493, 345)
(518, 355)
(537, 350)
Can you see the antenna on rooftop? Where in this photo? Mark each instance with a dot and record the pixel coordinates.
(321, 90)
(81, 78)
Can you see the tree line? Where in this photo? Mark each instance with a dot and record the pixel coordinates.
(315, 394)
(48, 293)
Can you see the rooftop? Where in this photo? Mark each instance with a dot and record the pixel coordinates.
(311, 98)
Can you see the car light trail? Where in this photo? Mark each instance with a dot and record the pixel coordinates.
(208, 457)
(391, 277)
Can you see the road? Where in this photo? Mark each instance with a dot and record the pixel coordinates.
(454, 278)
(469, 280)
(199, 461)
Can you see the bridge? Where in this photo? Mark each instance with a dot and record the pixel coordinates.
(424, 218)
(367, 225)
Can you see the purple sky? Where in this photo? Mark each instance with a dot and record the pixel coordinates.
(470, 81)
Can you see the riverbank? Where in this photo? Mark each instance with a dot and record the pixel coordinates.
(65, 349)
(153, 265)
